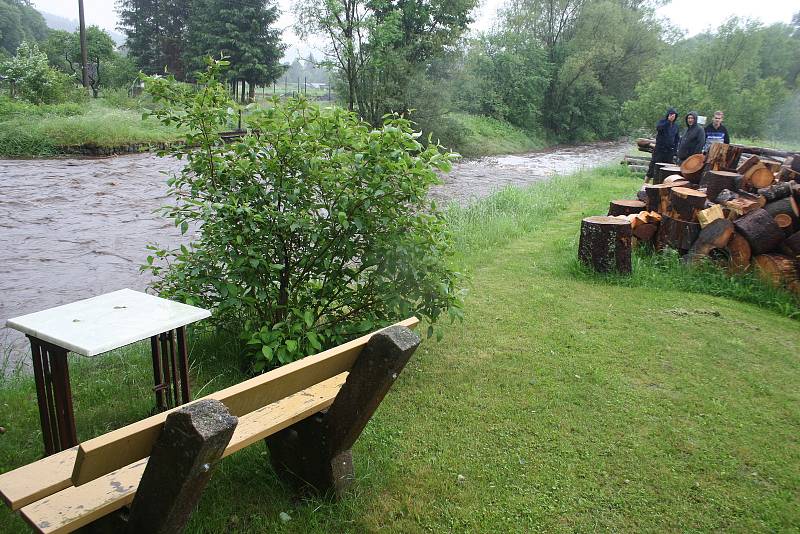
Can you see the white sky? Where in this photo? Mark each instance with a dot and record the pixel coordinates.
(692, 16)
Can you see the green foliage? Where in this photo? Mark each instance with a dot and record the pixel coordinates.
(241, 31)
(671, 86)
(19, 22)
(31, 78)
(311, 232)
(156, 33)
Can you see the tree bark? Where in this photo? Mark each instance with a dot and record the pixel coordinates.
(722, 157)
(786, 205)
(716, 181)
(760, 230)
(605, 244)
(677, 234)
(714, 236)
(777, 191)
(776, 269)
(692, 167)
(658, 197)
(625, 207)
(737, 254)
(685, 203)
(758, 176)
(791, 246)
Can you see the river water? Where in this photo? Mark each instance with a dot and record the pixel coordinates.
(75, 228)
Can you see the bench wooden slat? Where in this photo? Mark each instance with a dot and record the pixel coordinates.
(111, 451)
(31, 482)
(77, 506)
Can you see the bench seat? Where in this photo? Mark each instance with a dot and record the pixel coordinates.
(70, 508)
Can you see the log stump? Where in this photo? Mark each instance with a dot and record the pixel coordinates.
(786, 206)
(663, 171)
(785, 223)
(747, 164)
(777, 191)
(692, 167)
(776, 269)
(625, 207)
(714, 236)
(760, 230)
(736, 254)
(605, 244)
(685, 203)
(791, 246)
(717, 181)
(723, 157)
(677, 234)
(757, 177)
(658, 197)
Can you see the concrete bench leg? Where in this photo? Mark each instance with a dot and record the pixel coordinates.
(316, 452)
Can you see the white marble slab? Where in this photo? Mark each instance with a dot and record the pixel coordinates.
(106, 322)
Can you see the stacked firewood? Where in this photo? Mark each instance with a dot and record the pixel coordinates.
(742, 214)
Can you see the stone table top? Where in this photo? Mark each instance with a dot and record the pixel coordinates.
(106, 322)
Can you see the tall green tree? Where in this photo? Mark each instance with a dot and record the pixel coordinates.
(156, 33)
(19, 21)
(241, 30)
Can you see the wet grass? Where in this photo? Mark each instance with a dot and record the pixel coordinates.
(565, 401)
(46, 130)
(486, 136)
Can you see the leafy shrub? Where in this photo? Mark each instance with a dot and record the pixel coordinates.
(312, 231)
(31, 78)
(10, 108)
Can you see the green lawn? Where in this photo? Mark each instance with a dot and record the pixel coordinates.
(564, 402)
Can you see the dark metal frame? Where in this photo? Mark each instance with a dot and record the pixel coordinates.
(54, 394)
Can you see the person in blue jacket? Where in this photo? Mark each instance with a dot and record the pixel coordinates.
(666, 141)
(693, 141)
(716, 132)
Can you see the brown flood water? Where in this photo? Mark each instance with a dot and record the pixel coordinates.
(75, 228)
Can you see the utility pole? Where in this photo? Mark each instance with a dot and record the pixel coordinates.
(84, 48)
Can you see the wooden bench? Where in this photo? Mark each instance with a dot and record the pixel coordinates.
(309, 412)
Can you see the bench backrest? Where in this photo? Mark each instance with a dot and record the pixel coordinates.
(104, 454)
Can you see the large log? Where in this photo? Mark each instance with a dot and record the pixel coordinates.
(791, 246)
(758, 176)
(785, 223)
(663, 171)
(776, 269)
(677, 234)
(644, 233)
(747, 164)
(605, 244)
(736, 254)
(714, 236)
(658, 197)
(786, 205)
(625, 207)
(760, 230)
(716, 181)
(692, 167)
(723, 157)
(685, 203)
(777, 191)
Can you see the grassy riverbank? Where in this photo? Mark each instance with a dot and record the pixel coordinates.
(566, 401)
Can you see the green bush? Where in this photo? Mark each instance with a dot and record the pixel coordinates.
(31, 78)
(313, 231)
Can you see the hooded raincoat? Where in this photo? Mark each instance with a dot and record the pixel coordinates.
(693, 140)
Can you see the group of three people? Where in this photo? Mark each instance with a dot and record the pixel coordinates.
(670, 144)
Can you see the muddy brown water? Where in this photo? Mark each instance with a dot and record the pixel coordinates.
(75, 228)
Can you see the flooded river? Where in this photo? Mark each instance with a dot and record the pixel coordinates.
(74, 228)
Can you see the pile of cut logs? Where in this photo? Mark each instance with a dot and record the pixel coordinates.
(743, 215)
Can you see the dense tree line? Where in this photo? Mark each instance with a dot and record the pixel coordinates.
(176, 35)
(19, 22)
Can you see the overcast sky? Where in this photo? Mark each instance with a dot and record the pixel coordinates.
(692, 16)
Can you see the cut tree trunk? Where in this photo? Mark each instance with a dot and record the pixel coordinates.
(677, 234)
(644, 233)
(747, 164)
(676, 180)
(685, 203)
(740, 206)
(716, 181)
(722, 157)
(785, 223)
(777, 191)
(692, 167)
(760, 230)
(776, 269)
(786, 205)
(663, 171)
(625, 207)
(791, 246)
(658, 197)
(605, 244)
(709, 215)
(714, 236)
(758, 176)
(736, 254)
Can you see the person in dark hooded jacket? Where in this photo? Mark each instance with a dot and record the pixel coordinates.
(666, 141)
(693, 140)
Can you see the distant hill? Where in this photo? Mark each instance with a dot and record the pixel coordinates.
(56, 22)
